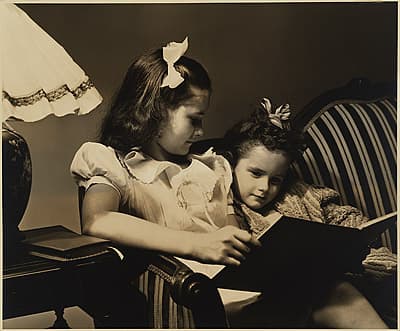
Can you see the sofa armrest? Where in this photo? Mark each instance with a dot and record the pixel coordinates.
(192, 290)
(176, 296)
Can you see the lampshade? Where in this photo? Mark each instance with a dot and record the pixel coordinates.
(37, 78)
(37, 75)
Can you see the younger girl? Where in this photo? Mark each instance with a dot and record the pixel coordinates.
(143, 189)
(261, 151)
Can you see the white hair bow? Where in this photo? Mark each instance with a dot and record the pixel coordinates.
(171, 53)
(279, 117)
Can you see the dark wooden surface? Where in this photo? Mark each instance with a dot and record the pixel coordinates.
(33, 285)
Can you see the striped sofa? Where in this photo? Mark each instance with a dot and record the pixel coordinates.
(351, 134)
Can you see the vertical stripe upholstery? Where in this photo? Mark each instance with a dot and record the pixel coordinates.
(163, 312)
(352, 148)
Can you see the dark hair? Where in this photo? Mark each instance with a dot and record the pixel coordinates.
(258, 130)
(140, 107)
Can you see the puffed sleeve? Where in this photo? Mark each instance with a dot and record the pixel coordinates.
(95, 163)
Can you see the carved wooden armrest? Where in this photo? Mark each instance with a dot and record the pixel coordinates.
(166, 282)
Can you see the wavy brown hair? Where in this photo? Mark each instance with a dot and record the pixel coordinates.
(139, 109)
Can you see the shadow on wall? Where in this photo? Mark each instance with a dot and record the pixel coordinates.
(288, 52)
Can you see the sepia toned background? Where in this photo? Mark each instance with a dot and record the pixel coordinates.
(288, 52)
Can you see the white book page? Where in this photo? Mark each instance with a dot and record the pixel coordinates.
(209, 270)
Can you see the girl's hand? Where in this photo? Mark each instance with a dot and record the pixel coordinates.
(228, 245)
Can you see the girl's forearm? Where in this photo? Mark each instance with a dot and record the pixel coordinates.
(224, 246)
(135, 232)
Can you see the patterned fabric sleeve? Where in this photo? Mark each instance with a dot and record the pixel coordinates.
(318, 204)
(302, 200)
(380, 263)
(342, 215)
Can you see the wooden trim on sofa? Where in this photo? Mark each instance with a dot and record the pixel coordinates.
(358, 89)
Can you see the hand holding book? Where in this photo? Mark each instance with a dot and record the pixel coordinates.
(226, 245)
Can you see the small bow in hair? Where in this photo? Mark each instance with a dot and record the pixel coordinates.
(279, 117)
(171, 53)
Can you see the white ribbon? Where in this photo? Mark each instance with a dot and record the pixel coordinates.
(279, 117)
(171, 53)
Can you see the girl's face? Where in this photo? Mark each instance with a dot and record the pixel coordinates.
(183, 127)
(259, 176)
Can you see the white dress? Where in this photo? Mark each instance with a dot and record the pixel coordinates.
(191, 199)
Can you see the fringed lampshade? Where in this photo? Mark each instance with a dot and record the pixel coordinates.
(37, 78)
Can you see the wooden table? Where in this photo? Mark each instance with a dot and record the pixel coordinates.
(34, 285)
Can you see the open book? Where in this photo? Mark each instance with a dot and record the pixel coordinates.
(292, 247)
(60, 244)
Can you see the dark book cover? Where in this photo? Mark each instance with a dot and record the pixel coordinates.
(294, 249)
(61, 244)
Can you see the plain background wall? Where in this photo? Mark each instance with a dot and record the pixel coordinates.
(289, 52)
